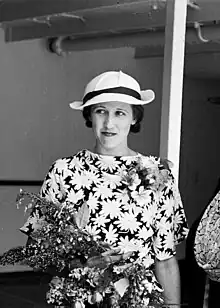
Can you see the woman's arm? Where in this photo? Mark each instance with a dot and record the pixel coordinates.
(167, 272)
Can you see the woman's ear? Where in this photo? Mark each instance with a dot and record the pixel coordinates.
(134, 121)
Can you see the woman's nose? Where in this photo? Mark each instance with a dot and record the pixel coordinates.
(109, 121)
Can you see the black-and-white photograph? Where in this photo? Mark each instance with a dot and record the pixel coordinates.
(109, 156)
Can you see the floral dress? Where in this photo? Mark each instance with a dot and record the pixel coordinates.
(127, 212)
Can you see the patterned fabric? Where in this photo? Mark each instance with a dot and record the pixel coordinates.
(148, 222)
(207, 240)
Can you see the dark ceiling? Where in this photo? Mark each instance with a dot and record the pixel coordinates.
(31, 19)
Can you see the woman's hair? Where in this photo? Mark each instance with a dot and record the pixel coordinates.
(138, 114)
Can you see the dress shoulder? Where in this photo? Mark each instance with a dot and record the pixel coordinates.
(63, 162)
(163, 161)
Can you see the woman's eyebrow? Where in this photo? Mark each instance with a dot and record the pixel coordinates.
(121, 109)
(99, 106)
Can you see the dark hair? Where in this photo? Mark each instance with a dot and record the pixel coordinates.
(138, 114)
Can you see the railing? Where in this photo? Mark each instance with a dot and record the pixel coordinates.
(20, 183)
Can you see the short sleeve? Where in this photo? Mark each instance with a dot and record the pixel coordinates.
(52, 188)
(170, 223)
(52, 191)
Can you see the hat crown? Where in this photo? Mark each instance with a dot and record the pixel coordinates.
(112, 79)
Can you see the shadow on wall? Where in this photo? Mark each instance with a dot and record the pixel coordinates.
(200, 146)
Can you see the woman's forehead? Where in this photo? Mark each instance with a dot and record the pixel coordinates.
(114, 105)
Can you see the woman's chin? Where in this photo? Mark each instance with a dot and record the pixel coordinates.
(109, 145)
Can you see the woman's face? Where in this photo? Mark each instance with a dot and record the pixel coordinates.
(111, 123)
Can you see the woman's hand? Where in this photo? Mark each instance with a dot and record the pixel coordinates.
(54, 272)
(108, 257)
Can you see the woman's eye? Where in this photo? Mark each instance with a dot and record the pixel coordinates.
(100, 111)
(120, 113)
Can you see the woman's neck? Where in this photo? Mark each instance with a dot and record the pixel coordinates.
(114, 152)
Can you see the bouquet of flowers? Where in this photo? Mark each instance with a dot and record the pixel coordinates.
(149, 172)
(60, 240)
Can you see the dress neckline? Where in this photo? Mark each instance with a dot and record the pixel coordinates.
(102, 156)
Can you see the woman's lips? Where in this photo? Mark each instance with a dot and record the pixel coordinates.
(108, 134)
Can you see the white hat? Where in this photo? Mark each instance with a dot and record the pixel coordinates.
(113, 86)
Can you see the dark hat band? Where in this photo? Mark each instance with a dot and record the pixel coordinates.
(120, 90)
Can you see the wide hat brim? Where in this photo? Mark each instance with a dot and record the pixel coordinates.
(147, 96)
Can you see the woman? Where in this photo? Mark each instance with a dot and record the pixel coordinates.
(150, 222)
(207, 240)
(203, 256)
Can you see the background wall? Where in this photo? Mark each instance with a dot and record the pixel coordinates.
(36, 124)
(35, 88)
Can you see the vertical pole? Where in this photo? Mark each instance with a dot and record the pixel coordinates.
(170, 132)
